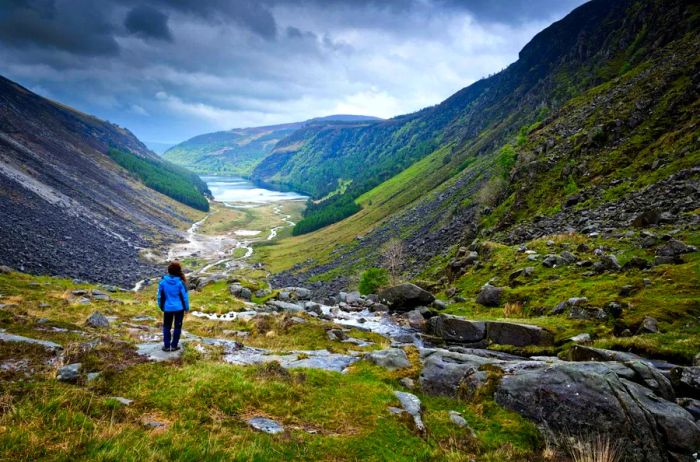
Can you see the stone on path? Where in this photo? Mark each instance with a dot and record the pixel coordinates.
(412, 405)
(154, 352)
(5, 337)
(391, 358)
(266, 425)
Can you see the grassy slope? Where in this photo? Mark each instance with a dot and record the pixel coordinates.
(204, 402)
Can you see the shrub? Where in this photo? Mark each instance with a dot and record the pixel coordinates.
(372, 279)
(492, 191)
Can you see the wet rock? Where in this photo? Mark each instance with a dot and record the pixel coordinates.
(5, 337)
(285, 306)
(649, 326)
(411, 404)
(592, 399)
(686, 380)
(405, 296)
(391, 359)
(416, 319)
(266, 425)
(69, 373)
(506, 333)
(489, 296)
(455, 329)
(353, 298)
(97, 320)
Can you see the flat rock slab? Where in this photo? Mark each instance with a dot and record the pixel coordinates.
(154, 352)
(507, 333)
(266, 425)
(313, 359)
(4, 337)
(455, 329)
(391, 359)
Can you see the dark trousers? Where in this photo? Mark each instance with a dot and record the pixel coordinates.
(168, 318)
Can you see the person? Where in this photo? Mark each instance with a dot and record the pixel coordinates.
(173, 301)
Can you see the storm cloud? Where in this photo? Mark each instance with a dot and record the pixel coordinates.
(172, 69)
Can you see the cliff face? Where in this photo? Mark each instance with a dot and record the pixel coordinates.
(66, 207)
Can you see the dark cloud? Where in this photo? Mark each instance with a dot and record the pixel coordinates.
(172, 69)
(74, 26)
(148, 23)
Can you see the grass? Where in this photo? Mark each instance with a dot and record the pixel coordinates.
(204, 403)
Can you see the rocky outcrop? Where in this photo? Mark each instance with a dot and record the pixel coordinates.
(453, 329)
(391, 359)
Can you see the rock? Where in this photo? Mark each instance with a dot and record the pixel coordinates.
(649, 326)
(444, 372)
(581, 338)
(568, 257)
(646, 218)
(312, 307)
(353, 298)
(416, 319)
(455, 329)
(266, 425)
(610, 263)
(614, 309)
(627, 290)
(696, 360)
(592, 399)
(262, 293)
(5, 269)
(69, 373)
(91, 376)
(439, 304)
(587, 313)
(285, 306)
(153, 424)
(586, 353)
(691, 405)
(552, 261)
(124, 401)
(237, 290)
(408, 383)
(391, 359)
(405, 296)
(154, 352)
(5, 337)
(99, 295)
(395, 410)
(457, 419)
(97, 320)
(489, 296)
(79, 292)
(636, 262)
(649, 376)
(686, 380)
(506, 333)
(298, 293)
(411, 404)
(674, 248)
(336, 335)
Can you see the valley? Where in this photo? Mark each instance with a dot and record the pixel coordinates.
(511, 274)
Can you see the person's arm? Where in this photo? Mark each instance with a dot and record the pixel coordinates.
(161, 297)
(184, 297)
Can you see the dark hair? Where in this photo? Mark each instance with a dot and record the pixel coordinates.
(175, 269)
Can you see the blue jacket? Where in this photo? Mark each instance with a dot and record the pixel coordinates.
(172, 294)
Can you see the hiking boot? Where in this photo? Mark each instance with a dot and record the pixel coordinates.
(166, 349)
(175, 348)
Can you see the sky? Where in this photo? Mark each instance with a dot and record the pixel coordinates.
(171, 69)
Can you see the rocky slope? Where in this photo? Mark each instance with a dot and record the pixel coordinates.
(67, 208)
(240, 150)
(593, 125)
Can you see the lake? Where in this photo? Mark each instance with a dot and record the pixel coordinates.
(239, 190)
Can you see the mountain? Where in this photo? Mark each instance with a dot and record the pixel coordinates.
(73, 193)
(238, 151)
(596, 117)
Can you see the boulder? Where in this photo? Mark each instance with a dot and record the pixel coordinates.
(455, 329)
(416, 319)
(97, 320)
(391, 359)
(406, 296)
(649, 326)
(507, 333)
(69, 373)
(552, 261)
(237, 290)
(439, 304)
(586, 353)
(285, 306)
(691, 405)
(353, 298)
(592, 399)
(489, 295)
(445, 373)
(298, 293)
(609, 263)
